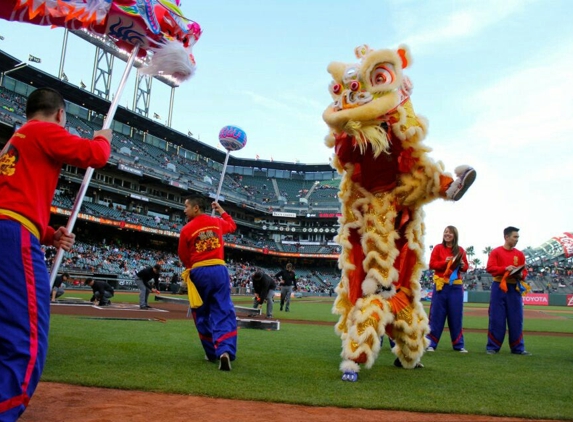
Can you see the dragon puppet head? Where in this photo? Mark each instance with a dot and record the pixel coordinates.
(153, 25)
(159, 25)
(367, 92)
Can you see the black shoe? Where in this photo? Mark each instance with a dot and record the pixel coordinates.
(398, 364)
(225, 362)
(145, 307)
(281, 308)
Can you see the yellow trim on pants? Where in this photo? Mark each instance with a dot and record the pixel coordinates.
(194, 297)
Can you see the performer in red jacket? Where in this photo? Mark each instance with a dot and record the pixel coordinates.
(30, 165)
(201, 250)
(506, 265)
(448, 261)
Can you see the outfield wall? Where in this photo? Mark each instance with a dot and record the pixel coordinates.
(536, 299)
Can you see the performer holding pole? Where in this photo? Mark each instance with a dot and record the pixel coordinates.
(90, 171)
(163, 30)
(201, 250)
(31, 162)
(30, 166)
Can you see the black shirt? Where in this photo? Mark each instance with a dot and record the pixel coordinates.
(147, 274)
(101, 287)
(288, 277)
(58, 281)
(262, 286)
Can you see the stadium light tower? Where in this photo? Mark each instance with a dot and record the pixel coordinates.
(103, 68)
(63, 54)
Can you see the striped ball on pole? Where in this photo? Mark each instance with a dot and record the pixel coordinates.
(232, 138)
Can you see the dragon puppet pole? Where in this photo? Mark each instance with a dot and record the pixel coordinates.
(90, 170)
(221, 180)
(231, 138)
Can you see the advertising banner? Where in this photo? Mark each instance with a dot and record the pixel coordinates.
(537, 299)
(566, 241)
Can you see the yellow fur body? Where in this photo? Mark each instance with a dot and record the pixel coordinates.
(373, 214)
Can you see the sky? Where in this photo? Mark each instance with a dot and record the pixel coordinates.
(494, 79)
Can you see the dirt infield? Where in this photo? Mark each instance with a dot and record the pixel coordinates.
(61, 402)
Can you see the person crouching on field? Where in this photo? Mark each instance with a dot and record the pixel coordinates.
(58, 288)
(102, 292)
(264, 287)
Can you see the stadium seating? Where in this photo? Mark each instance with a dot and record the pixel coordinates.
(260, 192)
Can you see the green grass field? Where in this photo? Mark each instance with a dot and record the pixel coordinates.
(299, 365)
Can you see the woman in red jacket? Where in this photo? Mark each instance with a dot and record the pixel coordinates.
(448, 261)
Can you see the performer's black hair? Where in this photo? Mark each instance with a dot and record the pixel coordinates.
(46, 101)
(508, 230)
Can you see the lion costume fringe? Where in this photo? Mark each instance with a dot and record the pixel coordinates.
(387, 176)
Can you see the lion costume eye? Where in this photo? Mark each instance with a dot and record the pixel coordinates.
(354, 85)
(335, 88)
(383, 74)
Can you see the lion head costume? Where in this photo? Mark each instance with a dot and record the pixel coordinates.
(387, 176)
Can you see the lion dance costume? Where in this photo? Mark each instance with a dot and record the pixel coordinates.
(387, 176)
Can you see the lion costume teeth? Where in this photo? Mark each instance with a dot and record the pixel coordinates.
(387, 176)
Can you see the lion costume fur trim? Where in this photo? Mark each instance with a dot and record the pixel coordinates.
(361, 325)
(388, 305)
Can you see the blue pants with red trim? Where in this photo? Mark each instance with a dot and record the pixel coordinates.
(505, 307)
(447, 303)
(215, 320)
(24, 317)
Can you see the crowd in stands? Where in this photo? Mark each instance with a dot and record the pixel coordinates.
(125, 260)
(551, 279)
(8, 118)
(15, 104)
(65, 199)
(175, 166)
(541, 280)
(263, 191)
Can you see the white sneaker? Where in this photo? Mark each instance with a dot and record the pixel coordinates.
(462, 350)
(466, 175)
(225, 362)
(430, 349)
